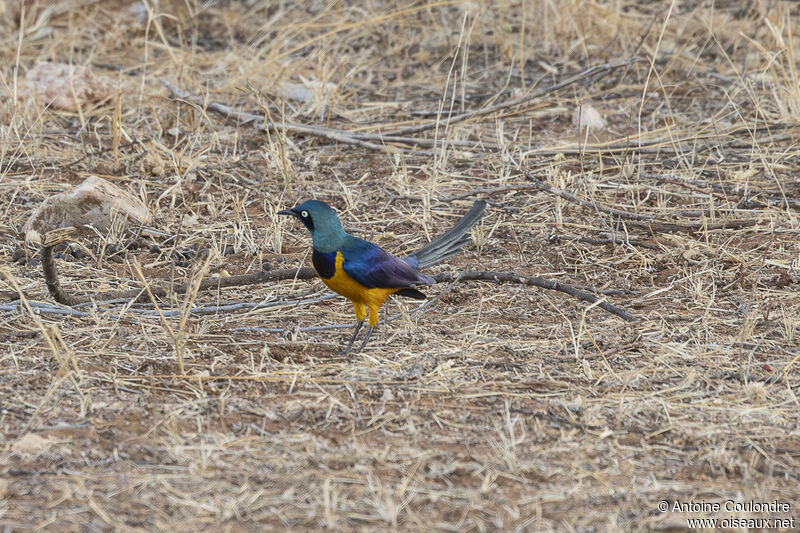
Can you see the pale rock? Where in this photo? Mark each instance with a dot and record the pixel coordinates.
(586, 116)
(62, 86)
(31, 443)
(92, 203)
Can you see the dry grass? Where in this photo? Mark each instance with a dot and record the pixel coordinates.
(501, 406)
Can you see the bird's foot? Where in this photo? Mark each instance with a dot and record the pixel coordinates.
(352, 338)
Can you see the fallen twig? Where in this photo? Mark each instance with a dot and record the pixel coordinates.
(607, 240)
(285, 331)
(237, 306)
(746, 199)
(45, 308)
(306, 273)
(62, 297)
(358, 138)
(258, 122)
(605, 68)
(652, 220)
(536, 281)
(585, 203)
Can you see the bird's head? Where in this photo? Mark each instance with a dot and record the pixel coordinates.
(322, 221)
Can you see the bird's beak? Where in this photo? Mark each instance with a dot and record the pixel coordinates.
(287, 212)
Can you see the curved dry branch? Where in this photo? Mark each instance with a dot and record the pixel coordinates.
(655, 224)
(535, 281)
(62, 297)
(51, 279)
(590, 72)
(378, 141)
(305, 273)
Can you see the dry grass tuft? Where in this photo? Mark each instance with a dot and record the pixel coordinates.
(497, 407)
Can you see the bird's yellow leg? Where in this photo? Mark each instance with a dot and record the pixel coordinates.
(374, 301)
(374, 315)
(361, 311)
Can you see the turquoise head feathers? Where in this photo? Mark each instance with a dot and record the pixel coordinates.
(323, 223)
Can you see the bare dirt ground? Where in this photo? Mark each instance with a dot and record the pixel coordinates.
(497, 406)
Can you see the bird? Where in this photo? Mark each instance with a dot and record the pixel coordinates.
(365, 273)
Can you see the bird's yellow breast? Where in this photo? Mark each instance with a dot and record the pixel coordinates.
(343, 284)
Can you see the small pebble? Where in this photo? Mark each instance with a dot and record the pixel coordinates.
(266, 265)
(19, 254)
(78, 253)
(182, 264)
(155, 249)
(204, 253)
(229, 251)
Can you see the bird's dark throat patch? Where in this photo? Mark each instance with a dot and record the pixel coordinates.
(324, 264)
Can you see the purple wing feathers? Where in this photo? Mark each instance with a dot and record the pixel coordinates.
(374, 267)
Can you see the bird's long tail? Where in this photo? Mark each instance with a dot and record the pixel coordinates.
(450, 242)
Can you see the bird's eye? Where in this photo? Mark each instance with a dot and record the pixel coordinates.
(304, 214)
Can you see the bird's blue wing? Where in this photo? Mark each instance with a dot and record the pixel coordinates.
(374, 267)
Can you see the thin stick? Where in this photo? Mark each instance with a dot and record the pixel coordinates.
(362, 139)
(306, 273)
(161, 291)
(593, 205)
(655, 224)
(536, 281)
(258, 122)
(604, 69)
